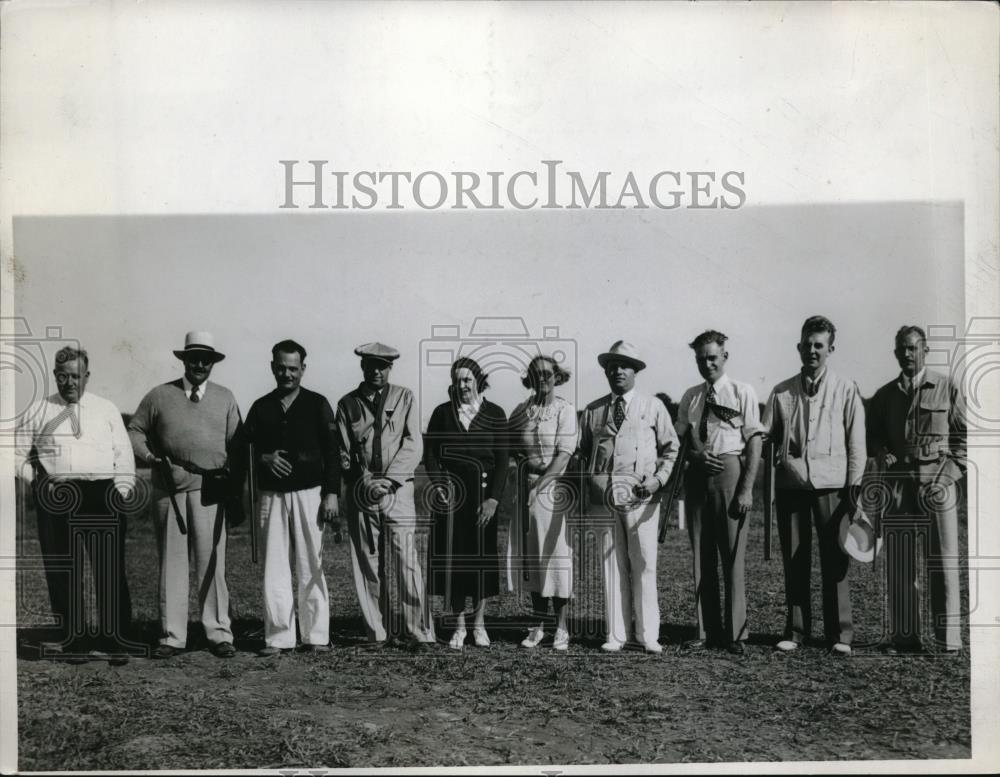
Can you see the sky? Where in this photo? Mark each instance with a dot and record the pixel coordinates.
(129, 287)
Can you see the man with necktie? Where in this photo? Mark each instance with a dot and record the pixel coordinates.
(294, 436)
(816, 420)
(73, 449)
(380, 448)
(184, 429)
(917, 432)
(627, 449)
(723, 420)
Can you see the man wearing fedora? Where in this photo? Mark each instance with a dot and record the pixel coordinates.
(184, 430)
(917, 432)
(293, 432)
(722, 417)
(816, 421)
(380, 448)
(627, 449)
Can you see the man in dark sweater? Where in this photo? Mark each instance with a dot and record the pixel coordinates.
(182, 428)
(294, 436)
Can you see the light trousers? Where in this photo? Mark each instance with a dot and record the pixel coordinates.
(206, 544)
(384, 556)
(923, 516)
(293, 538)
(629, 554)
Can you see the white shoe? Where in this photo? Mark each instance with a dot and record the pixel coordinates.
(653, 647)
(535, 636)
(787, 645)
(841, 649)
(457, 639)
(612, 646)
(561, 641)
(480, 637)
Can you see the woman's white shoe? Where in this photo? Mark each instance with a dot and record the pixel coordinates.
(457, 639)
(535, 636)
(480, 637)
(561, 641)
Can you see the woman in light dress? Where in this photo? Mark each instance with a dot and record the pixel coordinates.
(543, 436)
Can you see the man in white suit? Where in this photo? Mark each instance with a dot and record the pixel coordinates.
(628, 447)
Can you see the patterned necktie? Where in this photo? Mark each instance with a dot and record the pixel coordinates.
(67, 412)
(703, 425)
(619, 416)
(721, 411)
(194, 394)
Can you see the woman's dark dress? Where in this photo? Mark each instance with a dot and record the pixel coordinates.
(475, 461)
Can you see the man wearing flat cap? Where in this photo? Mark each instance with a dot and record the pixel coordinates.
(380, 448)
(184, 430)
(628, 448)
(294, 437)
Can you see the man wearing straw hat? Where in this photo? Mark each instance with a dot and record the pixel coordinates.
(184, 429)
(816, 420)
(627, 448)
(723, 419)
(380, 448)
(917, 432)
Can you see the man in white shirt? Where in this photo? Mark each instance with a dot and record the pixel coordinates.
(627, 448)
(723, 419)
(73, 449)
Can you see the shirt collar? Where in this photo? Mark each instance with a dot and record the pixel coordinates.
(720, 383)
(922, 378)
(188, 385)
(627, 396)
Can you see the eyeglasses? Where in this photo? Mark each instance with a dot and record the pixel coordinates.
(198, 361)
(544, 374)
(62, 378)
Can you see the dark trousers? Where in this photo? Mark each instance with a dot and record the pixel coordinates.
(717, 532)
(77, 517)
(797, 512)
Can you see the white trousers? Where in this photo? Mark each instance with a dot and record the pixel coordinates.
(293, 537)
(629, 553)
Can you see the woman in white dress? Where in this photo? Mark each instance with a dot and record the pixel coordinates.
(543, 436)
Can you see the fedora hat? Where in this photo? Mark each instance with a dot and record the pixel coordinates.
(857, 537)
(199, 342)
(622, 351)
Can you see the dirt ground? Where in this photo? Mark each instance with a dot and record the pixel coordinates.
(501, 705)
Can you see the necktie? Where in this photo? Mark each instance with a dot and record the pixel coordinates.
(703, 425)
(194, 394)
(619, 412)
(376, 433)
(52, 425)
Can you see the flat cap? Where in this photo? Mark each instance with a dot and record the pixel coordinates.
(377, 351)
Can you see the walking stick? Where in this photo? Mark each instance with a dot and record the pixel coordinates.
(522, 499)
(168, 476)
(449, 544)
(674, 487)
(252, 489)
(768, 496)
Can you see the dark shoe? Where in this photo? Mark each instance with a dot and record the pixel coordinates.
(268, 651)
(118, 659)
(165, 651)
(694, 644)
(309, 648)
(736, 648)
(223, 650)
